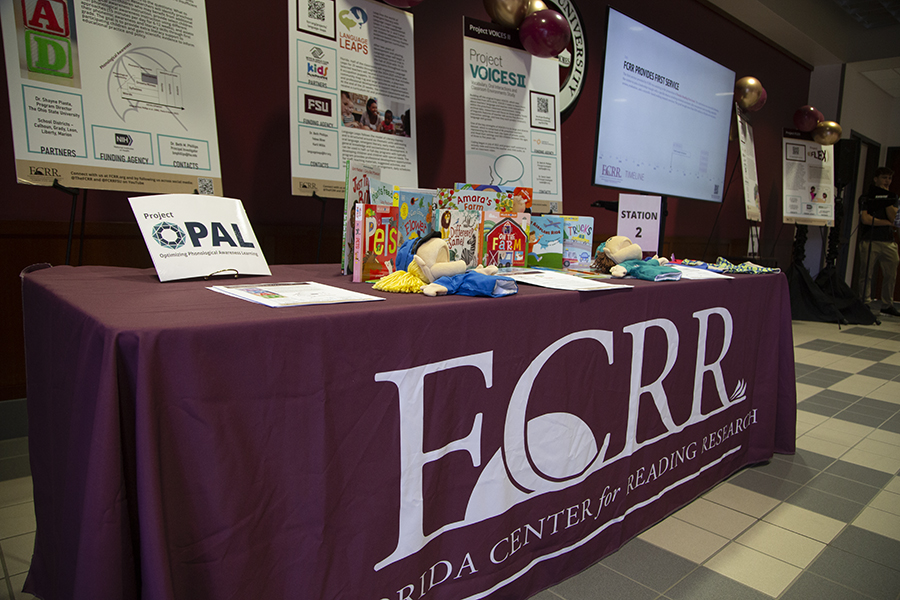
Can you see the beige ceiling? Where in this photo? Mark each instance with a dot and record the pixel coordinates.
(830, 32)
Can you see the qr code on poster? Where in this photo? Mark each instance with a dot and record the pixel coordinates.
(205, 186)
(543, 105)
(316, 9)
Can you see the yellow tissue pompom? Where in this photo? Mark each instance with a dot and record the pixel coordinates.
(400, 281)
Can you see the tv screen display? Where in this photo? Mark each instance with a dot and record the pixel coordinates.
(665, 114)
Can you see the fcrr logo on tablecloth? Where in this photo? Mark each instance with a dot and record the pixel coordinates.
(529, 464)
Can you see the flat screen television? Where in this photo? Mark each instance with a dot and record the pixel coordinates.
(664, 116)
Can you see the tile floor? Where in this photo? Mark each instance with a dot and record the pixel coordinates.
(823, 524)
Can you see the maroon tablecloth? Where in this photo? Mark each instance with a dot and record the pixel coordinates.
(185, 444)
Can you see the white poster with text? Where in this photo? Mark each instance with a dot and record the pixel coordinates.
(511, 114)
(352, 90)
(112, 95)
(808, 184)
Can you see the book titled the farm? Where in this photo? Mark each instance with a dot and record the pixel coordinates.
(504, 238)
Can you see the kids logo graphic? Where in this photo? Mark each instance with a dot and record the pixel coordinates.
(48, 38)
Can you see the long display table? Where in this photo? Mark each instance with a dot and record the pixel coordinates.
(189, 445)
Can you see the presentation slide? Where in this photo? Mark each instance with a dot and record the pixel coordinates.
(664, 115)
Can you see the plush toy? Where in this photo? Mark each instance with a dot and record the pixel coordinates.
(424, 265)
(619, 257)
(613, 251)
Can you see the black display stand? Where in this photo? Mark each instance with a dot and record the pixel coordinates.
(827, 298)
(74, 194)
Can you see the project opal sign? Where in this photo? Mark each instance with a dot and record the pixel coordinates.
(558, 451)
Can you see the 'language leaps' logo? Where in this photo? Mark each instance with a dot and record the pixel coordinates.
(353, 18)
(168, 235)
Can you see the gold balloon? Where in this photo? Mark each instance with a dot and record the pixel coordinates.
(747, 91)
(827, 133)
(508, 13)
(533, 6)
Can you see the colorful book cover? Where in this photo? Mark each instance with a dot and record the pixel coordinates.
(504, 238)
(461, 229)
(375, 243)
(474, 200)
(380, 192)
(416, 212)
(577, 241)
(523, 193)
(545, 241)
(356, 189)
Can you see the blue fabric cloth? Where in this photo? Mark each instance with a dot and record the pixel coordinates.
(650, 270)
(473, 283)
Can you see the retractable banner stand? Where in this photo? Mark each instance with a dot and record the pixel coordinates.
(352, 92)
(112, 95)
(193, 236)
(512, 114)
(748, 167)
(808, 187)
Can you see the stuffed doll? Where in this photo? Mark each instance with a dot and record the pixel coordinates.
(424, 265)
(613, 251)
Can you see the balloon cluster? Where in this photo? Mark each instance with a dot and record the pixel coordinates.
(543, 32)
(809, 119)
(749, 94)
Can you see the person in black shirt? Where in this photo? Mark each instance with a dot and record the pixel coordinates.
(877, 210)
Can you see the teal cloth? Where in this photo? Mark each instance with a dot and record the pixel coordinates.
(650, 270)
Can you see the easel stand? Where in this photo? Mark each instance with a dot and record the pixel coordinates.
(74, 194)
(323, 201)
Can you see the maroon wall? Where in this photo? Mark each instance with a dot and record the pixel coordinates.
(249, 49)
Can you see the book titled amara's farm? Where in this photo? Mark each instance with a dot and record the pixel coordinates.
(504, 238)
(375, 243)
(545, 241)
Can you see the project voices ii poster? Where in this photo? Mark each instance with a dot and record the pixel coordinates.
(112, 95)
(352, 88)
(808, 184)
(511, 114)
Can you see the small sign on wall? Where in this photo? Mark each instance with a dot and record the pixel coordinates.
(639, 218)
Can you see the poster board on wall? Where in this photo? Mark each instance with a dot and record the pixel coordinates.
(808, 183)
(352, 93)
(512, 121)
(112, 96)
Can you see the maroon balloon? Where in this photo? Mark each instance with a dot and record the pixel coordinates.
(402, 3)
(761, 102)
(545, 33)
(806, 118)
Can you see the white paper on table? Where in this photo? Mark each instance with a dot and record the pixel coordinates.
(697, 272)
(562, 281)
(293, 293)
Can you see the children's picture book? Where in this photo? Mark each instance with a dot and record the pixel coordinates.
(380, 192)
(416, 212)
(470, 199)
(545, 241)
(523, 193)
(356, 189)
(578, 237)
(504, 238)
(375, 242)
(461, 230)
